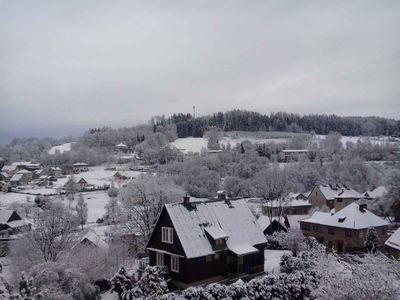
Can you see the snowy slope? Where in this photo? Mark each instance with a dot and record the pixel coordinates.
(60, 148)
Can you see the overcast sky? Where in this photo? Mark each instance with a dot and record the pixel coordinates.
(66, 66)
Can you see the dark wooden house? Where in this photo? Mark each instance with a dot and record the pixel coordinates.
(204, 242)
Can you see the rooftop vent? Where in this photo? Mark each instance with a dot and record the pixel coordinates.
(341, 219)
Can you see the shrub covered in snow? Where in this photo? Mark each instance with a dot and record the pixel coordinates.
(59, 281)
(285, 286)
(151, 285)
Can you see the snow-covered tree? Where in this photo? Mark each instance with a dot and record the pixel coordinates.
(372, 240)
(81, 210)
(292, 240)
(113, 210)
(51, 234)
(142, 201)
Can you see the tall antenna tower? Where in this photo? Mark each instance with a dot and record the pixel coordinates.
(194, 111)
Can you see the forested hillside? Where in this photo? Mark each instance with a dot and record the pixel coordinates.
(253, 121)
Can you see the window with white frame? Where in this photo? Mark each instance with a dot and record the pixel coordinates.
(175, 263)
(159, 259)
(167, 235)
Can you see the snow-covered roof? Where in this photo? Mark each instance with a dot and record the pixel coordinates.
(5, 215)
(333, 191)
(21, 163)
(394, 240)
(295, 151)
(24, 172)
(9, 168)
(349, 194)
(216, 232)
(96, 238)
(235, 220)
(17, 223)
(349, 217)
(264, 221)
(17, 177)
(243, 249)
(288, 203)
(121, 145)
(80, 164)
(5, 174)
(376, 192)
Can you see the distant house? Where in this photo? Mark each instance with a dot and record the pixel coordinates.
(294, 204)
(26, 165)
(218, 239)
(80, 167)
(4, 176)
(325, 195)
(346, 229)
(82, 183)
(294, 154)
(38, 173)
(271, 225)
(55, 172)
(96, 237)
(21, 178)
(11, 223)
(120, 176)
(374, 193)
(392, 245)
(121, 147)
(9, 169)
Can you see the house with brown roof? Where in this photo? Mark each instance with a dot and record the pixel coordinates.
(204, 242)
(346, 229)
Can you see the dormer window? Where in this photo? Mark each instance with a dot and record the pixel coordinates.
(341, 219)
(167, 235)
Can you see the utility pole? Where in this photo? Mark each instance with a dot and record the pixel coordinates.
(194, 111)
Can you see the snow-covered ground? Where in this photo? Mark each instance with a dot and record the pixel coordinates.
(272, 260)
(192, 144)
(98, 176)
(60, 148)
(375, 140)
(7, 198)
(95, 203)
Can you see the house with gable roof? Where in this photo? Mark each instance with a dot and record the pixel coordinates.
(208, 241)
(345, 230)
(392, 244)
(325, 195)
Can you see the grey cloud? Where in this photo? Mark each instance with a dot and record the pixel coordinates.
(70, 65)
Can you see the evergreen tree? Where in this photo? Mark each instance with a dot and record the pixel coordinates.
(372, 240)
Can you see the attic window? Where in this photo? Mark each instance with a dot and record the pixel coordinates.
(341, 219)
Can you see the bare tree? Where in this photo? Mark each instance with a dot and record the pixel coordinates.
(143, 200)
(52, 231)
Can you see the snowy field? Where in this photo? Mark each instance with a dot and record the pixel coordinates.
(272, 260)
(60, 148)
(192, 144)
(375, 140)
(95, 203)
(98, 176)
